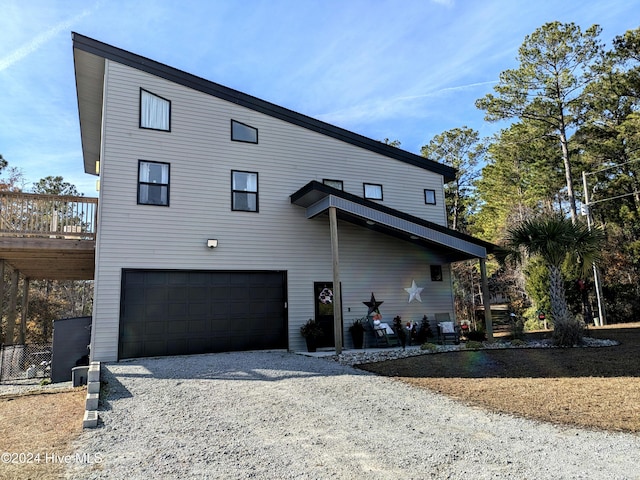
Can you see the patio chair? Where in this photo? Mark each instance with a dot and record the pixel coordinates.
(383, 335)
(447, 330)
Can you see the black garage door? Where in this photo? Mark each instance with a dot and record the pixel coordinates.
(175, 312)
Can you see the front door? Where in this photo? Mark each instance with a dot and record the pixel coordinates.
(324, 304)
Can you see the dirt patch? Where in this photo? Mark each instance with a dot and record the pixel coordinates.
(36, 430)
(587, 387)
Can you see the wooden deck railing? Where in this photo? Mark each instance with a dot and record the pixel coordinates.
(51, 216)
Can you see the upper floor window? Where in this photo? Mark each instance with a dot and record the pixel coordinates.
(155, 111)
(244, 191)
(429, 197)
(243, 133)
(373, 191)
(153, 183)
(334, 183)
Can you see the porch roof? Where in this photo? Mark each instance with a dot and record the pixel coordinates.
(451, 245)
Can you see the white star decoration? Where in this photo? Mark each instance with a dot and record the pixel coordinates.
(414, 292)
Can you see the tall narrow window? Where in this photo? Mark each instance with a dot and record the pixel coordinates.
(430, 197)
(153, 183)
(373, 191)
(243, 133)
(244, 191)
(155, 111)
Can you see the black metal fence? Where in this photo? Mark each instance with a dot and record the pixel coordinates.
(25, 362)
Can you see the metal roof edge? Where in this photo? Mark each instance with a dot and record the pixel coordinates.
(181, 77)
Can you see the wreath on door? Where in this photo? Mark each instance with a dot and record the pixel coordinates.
(326, 296)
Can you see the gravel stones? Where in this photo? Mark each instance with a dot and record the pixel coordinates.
(281, 415)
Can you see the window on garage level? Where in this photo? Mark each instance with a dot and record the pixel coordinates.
(155, 111)
(244, 191)
(153, 183)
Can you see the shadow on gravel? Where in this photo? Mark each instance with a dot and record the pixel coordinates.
(269, 366)
(618, 361)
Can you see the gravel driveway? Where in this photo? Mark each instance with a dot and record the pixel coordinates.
(277, 415)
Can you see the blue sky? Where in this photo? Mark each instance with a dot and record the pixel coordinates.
(398, 69)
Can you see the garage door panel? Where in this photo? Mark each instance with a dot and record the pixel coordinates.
(176, 346)
(184, 312)
(176, 327)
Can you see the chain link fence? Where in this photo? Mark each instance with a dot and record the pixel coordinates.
(25, 362)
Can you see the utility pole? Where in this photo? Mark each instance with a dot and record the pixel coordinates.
(602, 319)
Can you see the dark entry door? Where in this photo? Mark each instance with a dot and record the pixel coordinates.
(177, 312)
(324, 306)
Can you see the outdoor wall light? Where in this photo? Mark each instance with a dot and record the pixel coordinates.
(212, 243)
(370, 222)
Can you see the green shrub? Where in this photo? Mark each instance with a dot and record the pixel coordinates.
(429, 346)
(473, 344)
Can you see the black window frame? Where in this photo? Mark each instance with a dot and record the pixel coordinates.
(244, 125)
(325, 180)
(167, 185)
(425, 196)
(140, 111)
(256, 193)
(436, 273)
(364, 191)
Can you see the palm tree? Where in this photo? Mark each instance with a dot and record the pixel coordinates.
(553, 239)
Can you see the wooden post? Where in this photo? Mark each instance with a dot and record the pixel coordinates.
(12, 313)
(337, 294)
(488, 323)
(25, 310)
(1, 295)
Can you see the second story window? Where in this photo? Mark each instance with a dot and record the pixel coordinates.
(243, 133)
(373, 191)
(153, 183)
(244, 191)
(334, 183)
(430, 197)
(155, 111)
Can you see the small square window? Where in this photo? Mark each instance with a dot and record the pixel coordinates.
(153, 183)
(430, 197)
(244, 191)
(334, 183)
(243, 133)
(155, 111)
(373, 191)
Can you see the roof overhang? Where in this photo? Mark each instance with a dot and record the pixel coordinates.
(89, 70)
(451, 245)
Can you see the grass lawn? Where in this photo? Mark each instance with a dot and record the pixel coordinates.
(44, 424)
(587, 387)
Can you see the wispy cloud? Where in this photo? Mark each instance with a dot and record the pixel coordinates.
(43, 38)
(398, 106)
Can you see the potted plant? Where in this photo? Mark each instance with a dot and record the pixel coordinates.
(357, 332)
(311, 331)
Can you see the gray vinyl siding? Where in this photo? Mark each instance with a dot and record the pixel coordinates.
(279, 237)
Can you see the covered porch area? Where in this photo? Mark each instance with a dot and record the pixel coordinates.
(452, 246)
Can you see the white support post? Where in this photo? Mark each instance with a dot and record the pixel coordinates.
(337, 294)
(488, 322)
